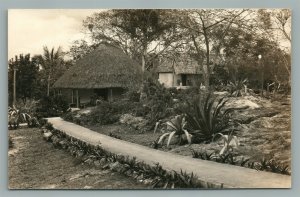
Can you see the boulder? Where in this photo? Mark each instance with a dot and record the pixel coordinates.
(89, 161)
(47, 136)
(136, 122)
(97, 163)
(115, 166)
(103, 161)
(240, 102)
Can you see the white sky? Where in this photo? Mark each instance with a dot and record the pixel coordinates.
(31, 29)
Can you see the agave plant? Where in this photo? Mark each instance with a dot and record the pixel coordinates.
(229, 142)
(178, 128)
(237, 86)
(206, 117)
(15, 117)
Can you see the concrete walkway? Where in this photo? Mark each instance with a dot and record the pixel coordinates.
(229, 175)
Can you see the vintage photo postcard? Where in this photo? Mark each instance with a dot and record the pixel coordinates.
(149, 98)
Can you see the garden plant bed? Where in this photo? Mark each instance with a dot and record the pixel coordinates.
(264, 132)
(207, 171)
(36, 164)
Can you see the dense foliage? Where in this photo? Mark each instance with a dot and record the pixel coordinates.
(51, 106)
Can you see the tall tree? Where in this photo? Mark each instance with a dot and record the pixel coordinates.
(206, 28)
(52, 64)
(140, 33)
(27, 81)
(275, 25)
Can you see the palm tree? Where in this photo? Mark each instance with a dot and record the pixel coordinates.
(50, 62)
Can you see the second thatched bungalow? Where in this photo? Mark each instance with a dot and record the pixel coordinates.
(105, 73)
(181, 72)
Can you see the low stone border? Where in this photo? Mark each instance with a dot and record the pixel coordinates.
(154, 176)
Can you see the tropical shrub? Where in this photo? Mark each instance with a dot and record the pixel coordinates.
(206, 117)
(13, 118)
(104, 113)
(156, 101)
(178, 128)
(51, 106)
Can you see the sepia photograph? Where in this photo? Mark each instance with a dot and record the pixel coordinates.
(149, 99)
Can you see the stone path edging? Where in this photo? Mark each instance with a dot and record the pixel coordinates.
(229, 175)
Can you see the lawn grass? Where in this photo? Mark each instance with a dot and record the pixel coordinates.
(36, 164)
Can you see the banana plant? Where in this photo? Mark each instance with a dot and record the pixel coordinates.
(177, 126)
(229, 142)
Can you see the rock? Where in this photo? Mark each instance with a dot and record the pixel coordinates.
(63, 144)
(97, 163)
(115, 166)
(87, 187)
(133, 121)
(106, 166)
(47, 135)
(224, 93)
(140, 178)
(79, 153)
(128, 172)
(147, 181)
(55, 140)
(102, 161)
(89, 161)
(76, 176)
(240, 102)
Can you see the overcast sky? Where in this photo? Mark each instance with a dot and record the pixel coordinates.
(31, 29)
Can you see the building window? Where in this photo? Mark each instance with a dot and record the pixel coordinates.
(184, 79)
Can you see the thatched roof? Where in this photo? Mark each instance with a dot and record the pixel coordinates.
(105, 67)
(179, 66)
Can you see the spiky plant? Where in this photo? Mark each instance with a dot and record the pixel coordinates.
(237, 87)
(229, 142)
(178, 128)
(206, 117)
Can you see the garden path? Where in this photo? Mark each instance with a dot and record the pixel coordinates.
(229, 175)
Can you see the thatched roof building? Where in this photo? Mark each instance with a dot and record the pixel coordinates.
(180, 71)
(105, 72)
(105, 67)
(179, 66)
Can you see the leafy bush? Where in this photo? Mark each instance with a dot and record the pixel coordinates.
(157, 100)
(50, 106)
(206, 117)
(104, 113)
(68, 116)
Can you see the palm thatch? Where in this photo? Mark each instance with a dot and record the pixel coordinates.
(105, 67)
(179, 66)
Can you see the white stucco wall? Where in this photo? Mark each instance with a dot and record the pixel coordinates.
(166, 79)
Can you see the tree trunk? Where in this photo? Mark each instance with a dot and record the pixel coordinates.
(15, 94)
(143, 95)
(48, 86)
(207, 69)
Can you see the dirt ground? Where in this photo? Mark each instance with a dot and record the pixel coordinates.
(264, 132)
(36, 164)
